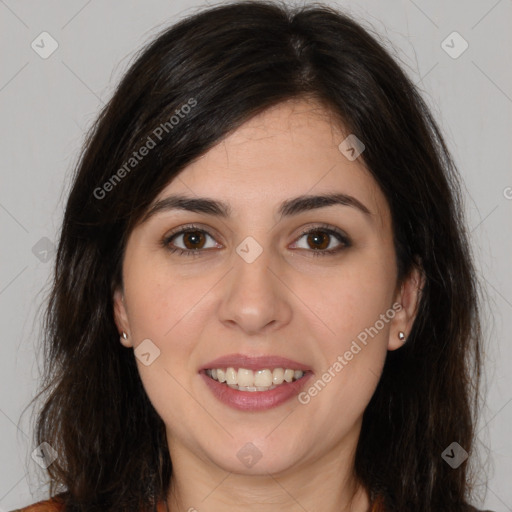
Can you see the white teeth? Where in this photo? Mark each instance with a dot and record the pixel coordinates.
(263, 378)
(288, 375)
(278, 376)
(231, 376)
(244, 379)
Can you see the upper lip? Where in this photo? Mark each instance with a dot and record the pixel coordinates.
(254, 362)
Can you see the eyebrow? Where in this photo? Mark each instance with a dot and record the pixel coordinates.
(221, 209)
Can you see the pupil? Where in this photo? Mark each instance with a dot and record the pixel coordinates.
(317, 238)
(194, 238)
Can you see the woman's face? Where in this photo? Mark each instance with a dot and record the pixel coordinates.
(253, 296)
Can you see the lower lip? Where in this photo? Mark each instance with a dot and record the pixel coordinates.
(255, 400)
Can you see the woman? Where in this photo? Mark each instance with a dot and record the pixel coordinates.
(264, 295)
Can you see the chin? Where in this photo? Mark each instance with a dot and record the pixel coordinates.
(258, 455)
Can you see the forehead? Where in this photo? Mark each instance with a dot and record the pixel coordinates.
(286, 151)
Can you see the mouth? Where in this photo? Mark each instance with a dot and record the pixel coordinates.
(254, 383)
(245, 379)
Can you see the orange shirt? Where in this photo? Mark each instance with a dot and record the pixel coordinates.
(53, 505)
(56, 505)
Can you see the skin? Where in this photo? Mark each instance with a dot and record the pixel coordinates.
(287, 302)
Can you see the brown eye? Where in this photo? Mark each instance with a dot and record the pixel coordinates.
(321, 241)
(189, 240)
(318, 239)
(194, 240)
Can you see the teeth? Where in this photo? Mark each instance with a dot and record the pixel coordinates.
(244, 379)
(278, 376)
(231, 376)
(263, 378)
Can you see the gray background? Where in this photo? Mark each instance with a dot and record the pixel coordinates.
(47, 104)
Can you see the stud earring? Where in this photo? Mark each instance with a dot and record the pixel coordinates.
(124, 335)
(401, 335)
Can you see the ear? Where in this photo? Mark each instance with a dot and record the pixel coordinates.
(121, 318)
(406, 303)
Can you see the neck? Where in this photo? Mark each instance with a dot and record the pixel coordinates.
(326, 484)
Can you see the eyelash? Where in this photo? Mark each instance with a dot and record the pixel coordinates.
(323, 228)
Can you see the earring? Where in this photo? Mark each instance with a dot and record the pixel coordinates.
(401, 335)
(125, 336)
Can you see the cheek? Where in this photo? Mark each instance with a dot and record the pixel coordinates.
(171, 309)
(354, 305)
(164, 308)
(160, 298)
(353, 296)
(351, 341)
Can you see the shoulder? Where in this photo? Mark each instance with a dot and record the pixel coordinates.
(51, 505)
(378, 506)
(56, 504)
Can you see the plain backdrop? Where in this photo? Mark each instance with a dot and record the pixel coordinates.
(47, 104)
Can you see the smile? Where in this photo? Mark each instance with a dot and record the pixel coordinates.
(250, 382)
(245, 379)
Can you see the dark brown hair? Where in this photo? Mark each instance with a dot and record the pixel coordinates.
(234, 61)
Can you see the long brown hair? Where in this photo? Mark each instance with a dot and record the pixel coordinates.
(234, 61)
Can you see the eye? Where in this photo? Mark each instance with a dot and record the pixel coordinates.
(319, 239)
(191, 238)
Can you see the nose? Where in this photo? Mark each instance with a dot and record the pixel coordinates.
(255, 297)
